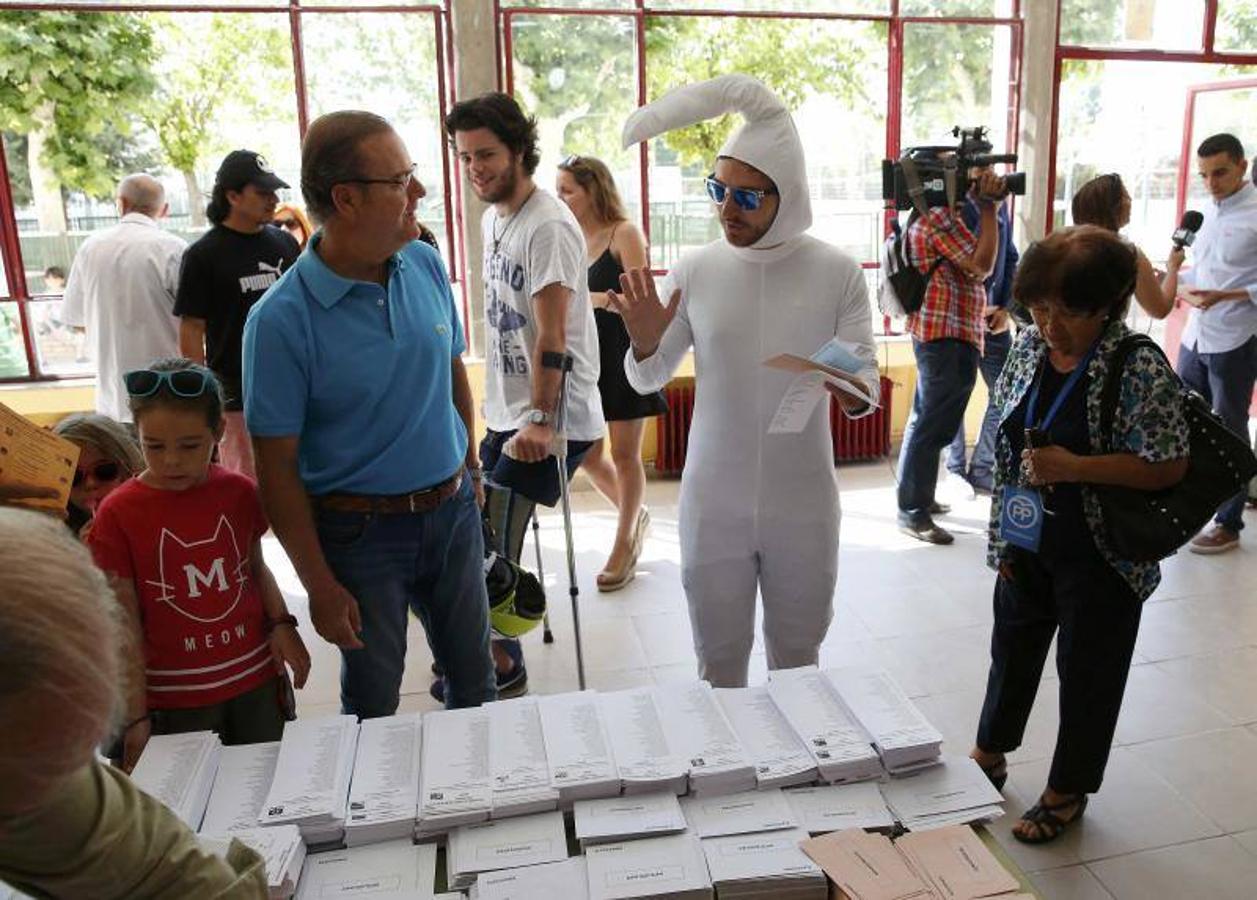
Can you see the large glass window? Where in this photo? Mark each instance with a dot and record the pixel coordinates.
(1237, 26)
(1163, 24)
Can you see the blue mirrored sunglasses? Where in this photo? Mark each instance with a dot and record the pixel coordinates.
(749, 199)
(187, 383)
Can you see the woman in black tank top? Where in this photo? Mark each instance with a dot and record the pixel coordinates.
(587, 187)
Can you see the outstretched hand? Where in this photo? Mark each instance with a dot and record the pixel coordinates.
(645, 317)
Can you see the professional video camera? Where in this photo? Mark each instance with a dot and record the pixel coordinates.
(933, 167)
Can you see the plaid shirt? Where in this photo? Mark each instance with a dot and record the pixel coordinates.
(953, 300)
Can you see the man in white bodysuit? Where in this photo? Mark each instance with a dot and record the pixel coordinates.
(758, 510)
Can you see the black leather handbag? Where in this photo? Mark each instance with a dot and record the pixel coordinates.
(1146, 526)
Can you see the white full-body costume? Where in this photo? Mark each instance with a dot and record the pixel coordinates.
(757, 510)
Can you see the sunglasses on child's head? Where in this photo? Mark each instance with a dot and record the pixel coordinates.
(187, 383)
(285, 223)
(748, 199)
(102, 471)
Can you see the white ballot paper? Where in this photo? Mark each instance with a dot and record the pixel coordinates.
(384, 791)
(699, 731)
(841, 747)
(281, 848)
(904, 738)
(669, 867)
(504, 844)
(835, 363)
(622, 818)
(641, 750)
(833, 807)
(517, 759)
(245, 773)
(578, 749)
(765, 855)
(779, 756)
(738, 813)
(311, 784)
(952, 793)
(566, 880)
(179, 770)
(396, 870)
(454, 786)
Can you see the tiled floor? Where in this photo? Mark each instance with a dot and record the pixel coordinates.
(1178, 812)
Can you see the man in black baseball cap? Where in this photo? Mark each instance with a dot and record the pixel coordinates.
(224, 273)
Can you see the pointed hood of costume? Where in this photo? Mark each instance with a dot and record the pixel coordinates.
(767, 140)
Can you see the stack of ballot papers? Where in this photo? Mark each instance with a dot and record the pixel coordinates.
(396, 870)
(578, 749)
(699, 731)
(642, 753)
(625, 818)
(454, 784)
(517, 759)
(865, 866)
(245, 773)
(900, 733)
(841, 747)
(384, 789)
(179, 770)
(280, 846)
(956, 863)
(779, 757)
(504, 844)
(311, 784)
(952, 793)
(833, 807)
(566, 880)
(658, 868)
(767, 865)
(742, 813)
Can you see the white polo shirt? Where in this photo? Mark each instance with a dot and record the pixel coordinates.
(122, 290)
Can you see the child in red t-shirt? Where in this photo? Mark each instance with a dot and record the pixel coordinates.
(182, 544)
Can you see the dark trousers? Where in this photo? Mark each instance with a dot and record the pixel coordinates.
(1226, 381)
(946, 372)
(981, 467)
(1097, 617)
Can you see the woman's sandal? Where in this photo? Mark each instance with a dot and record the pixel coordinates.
(996, 774)
(1048, 825)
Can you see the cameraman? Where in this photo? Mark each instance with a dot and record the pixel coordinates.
(998, 340)
(947, 333)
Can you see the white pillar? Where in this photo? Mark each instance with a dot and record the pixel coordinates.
(1038, 62)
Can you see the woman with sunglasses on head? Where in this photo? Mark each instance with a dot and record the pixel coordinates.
(292, 219)
(182, 545)
(613, 245)
(108, 457)
(1103, 201)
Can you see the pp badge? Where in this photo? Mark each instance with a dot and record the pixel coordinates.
(1021, 519)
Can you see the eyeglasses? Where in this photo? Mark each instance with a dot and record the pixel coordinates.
(403, 181)
(286, 223)
(187, 383)
(749, 199)
(102, 471)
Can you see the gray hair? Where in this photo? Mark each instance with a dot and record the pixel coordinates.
(61, 640)
(107, 437)
(142, 193)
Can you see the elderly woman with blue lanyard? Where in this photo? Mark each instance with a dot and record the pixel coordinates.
(1056, 571)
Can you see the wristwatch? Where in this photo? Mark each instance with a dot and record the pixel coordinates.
(540, 417)
(286, 619)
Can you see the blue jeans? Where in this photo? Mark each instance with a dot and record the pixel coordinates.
(431, 563)
(1226, 381)
(981, 467)
(946, 372)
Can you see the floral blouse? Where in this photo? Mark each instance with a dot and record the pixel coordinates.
(1148, 422)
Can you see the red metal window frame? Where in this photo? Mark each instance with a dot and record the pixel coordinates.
(1189, 139)
(1207, 54)
(894, 51)
(10, 244)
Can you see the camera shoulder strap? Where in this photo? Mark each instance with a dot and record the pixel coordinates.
(916, 191)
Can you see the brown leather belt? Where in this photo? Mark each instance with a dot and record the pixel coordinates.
(425, 500)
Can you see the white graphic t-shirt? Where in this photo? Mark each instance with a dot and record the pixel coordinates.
(540, 246)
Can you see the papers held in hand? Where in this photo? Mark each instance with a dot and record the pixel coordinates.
(835, 363)
(37, 458)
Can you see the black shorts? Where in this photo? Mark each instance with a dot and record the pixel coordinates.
(538, 481)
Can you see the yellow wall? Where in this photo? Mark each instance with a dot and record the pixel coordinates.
(46, 404)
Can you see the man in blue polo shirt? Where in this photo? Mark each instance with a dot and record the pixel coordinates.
(360, 410)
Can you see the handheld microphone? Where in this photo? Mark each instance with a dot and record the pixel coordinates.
(1187, 228)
